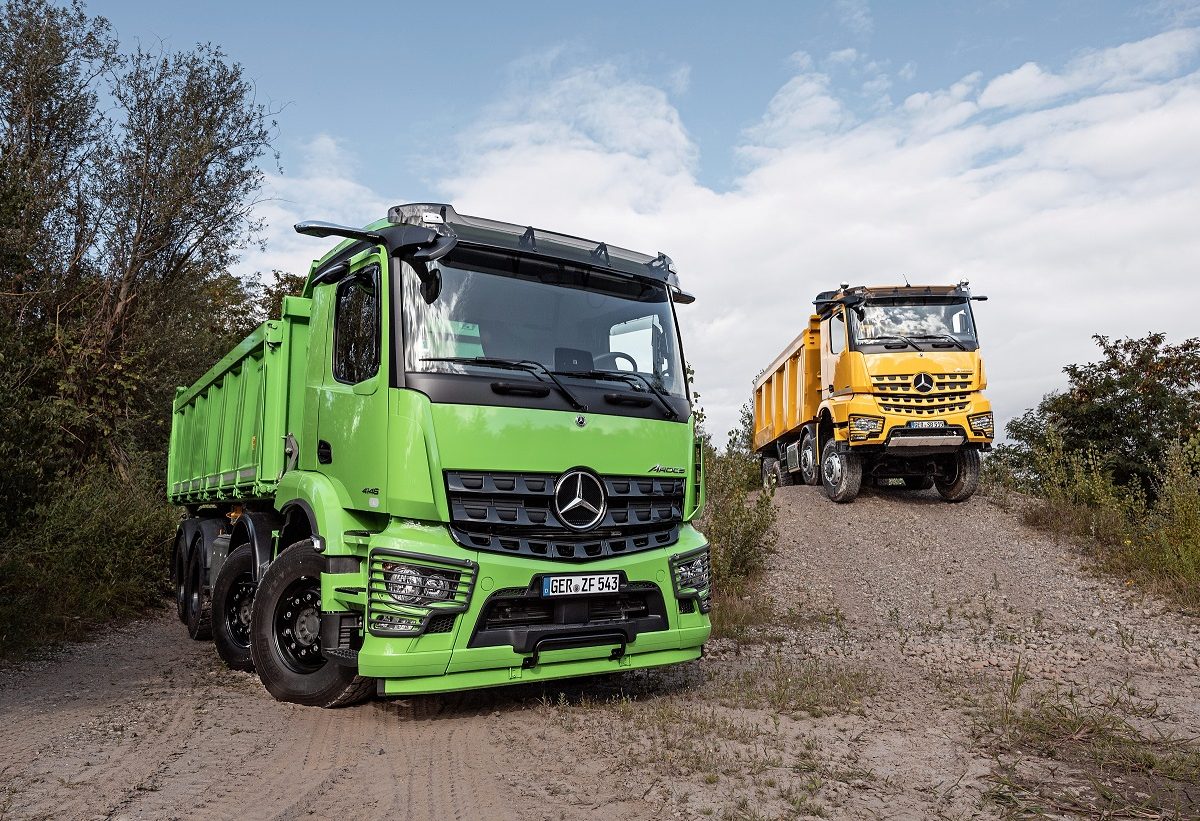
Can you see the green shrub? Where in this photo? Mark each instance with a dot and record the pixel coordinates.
(97, 549)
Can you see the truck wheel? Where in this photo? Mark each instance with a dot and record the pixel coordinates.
(918, 482)
(285, 640)
(810, 473)
(232, 602)
(783, 476)
(197, 606)
(179, 577)
(961, 485)
(769, 478)
(841, 473)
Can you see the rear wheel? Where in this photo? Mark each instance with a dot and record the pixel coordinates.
(963, 476)
(783, 476)
(841, 473)
(232, 605)
(918, 482)
(285, 635)
(810, 472)
(179, 576)
(197, 606)
(769, 476)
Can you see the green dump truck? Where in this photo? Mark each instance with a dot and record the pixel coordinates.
(465, 456)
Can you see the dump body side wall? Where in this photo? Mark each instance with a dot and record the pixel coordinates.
(228, 428)
(788, 393)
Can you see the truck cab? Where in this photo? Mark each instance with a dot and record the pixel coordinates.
(484, 468)
(885, 385)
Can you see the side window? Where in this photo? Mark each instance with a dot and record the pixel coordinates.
(356, 327)
(837, 333)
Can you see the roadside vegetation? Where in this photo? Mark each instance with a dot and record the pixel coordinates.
(127, 179)
(1113, 463)
(1088, 755)
(738, 519)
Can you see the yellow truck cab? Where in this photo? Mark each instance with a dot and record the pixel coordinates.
(886, 383)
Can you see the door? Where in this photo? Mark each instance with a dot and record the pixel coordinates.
(352, 413)
(833, 342)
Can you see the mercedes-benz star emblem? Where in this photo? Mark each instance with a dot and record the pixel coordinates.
(579, 500)
(923, 382)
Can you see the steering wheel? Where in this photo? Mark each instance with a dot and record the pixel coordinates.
(611, 358)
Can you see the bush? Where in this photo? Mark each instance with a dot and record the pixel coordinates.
(96, 550)
(739, 527)
(1155, 542)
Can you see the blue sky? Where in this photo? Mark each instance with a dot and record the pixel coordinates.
(1045, 150)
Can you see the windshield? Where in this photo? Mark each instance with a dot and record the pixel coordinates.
(930, 322)
(565, 317)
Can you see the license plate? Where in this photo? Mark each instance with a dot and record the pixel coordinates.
(927, 423)
(581, 585)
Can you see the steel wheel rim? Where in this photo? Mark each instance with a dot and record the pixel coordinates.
(297, 626)
(833, 469)
(237, 614)
(806, 460)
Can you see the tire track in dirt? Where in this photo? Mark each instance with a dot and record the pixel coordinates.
(143, 723)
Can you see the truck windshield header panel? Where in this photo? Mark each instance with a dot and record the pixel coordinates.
(564, 320)
(924, 323)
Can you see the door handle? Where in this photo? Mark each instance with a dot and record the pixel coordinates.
(324, 452)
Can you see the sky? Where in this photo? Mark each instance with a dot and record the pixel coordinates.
(1049, 152)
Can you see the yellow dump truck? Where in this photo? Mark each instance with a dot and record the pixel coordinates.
(885, 384)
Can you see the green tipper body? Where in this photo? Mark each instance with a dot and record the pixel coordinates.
(387, 472)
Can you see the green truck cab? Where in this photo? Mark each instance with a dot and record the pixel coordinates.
(465, 456)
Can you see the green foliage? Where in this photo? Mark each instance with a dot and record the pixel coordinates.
(94, 551)
(1131, 406)
(739, 524)
(127, 183)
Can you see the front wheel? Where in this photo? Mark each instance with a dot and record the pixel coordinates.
(232, 606)
(841, 473)
(963, 477)
(285, 635)
(810, 473)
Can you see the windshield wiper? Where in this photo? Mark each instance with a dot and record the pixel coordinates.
(628, 378)
(903, 339)
(946, 337)
(537, 369)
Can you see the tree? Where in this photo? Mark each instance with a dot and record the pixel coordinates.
(1131, 407)
(119, 223)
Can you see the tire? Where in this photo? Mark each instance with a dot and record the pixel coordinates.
(841, 473)
(197, 607)
(179, 577)
(285, 641)
(232, 603)
(918, 482)
(783, 476)
(810, 472)
(769, 477)
(965, 479)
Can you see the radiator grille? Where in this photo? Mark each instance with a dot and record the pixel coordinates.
(514, 513)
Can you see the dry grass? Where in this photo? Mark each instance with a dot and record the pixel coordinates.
(1096, 758)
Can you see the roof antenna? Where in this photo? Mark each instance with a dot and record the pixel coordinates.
(907, 284)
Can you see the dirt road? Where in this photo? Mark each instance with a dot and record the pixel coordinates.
(901, 671)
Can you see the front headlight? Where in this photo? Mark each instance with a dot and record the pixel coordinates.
(982, 424)
(405, 591)
(691, 575)
(865, 427)
(410, 584)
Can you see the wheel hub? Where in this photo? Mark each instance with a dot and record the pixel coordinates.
(833, 469)
(806, 461)
(298, 626)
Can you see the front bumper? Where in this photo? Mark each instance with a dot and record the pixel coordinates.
(899, 433)
(456, 658)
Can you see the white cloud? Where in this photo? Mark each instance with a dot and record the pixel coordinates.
(855, 15)
(1075, 218)
(1123, 67)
